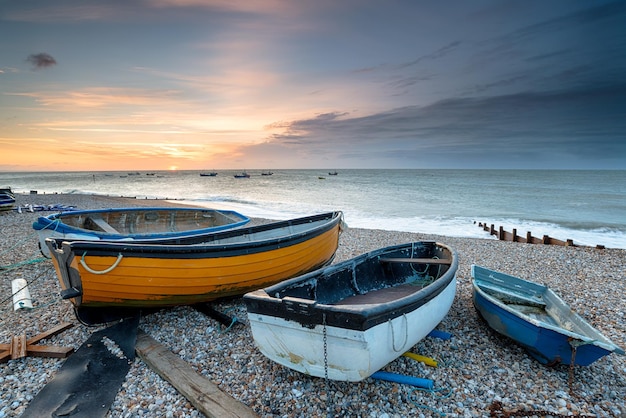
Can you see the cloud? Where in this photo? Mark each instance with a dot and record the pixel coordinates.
(41, 60)
(534, 126)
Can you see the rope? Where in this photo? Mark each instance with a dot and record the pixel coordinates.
(232, 323)
(18, 243)
(10, 297)
(14, 266)
(105, 271)
(441, 393)
(393, 337)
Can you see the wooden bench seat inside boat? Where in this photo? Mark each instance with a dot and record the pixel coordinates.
(510, 296)
(381, 295)
(102, 224)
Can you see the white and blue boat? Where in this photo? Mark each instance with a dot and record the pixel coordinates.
(138, 223)
(350, 319)
(538, 319)
(7, 199)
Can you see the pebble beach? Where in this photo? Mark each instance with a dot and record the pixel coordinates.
(477, 368)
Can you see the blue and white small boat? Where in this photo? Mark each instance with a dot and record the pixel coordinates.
(538, 319)
(7, 199)
(134, 224)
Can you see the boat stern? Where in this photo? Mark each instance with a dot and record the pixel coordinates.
(69, 278)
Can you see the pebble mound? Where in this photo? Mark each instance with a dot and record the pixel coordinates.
(479, 370)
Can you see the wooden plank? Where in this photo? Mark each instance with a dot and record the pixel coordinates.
(52, 331)
(49, 351)
(201, 392)
(103, 225)
(445, 261)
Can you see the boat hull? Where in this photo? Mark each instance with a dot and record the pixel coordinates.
(362, 331)
(7, 200)
(134, 224)
(353, 355)
(190, 270)
(537, 319)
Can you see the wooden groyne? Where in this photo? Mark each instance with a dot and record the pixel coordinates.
(512, 236)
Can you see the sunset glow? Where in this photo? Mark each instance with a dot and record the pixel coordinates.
(311, 84)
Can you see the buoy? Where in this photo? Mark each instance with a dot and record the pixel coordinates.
(399, 378)
(21, 295)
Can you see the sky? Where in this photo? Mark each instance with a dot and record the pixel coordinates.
(89, 85)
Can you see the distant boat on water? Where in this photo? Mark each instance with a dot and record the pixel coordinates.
(332, 173)
(242, 175)
(211, 174)
(266, 173)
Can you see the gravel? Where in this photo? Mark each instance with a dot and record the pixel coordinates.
(478, 369)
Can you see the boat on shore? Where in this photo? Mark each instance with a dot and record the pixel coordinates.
(137, 223)
(535, 317)
(348, 320)
(98, 276)
(7, 199)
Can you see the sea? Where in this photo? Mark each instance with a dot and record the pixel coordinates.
(588, 207)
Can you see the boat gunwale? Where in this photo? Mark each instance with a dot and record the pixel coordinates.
(54, 222)
(196, 246)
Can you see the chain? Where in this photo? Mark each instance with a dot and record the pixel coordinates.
(496, 410)
(570, 380)
(329, 404)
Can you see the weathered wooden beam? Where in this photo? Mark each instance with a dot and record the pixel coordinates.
(52, 331)
(205, 395)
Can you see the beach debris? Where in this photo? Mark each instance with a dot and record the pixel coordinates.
(21, 347)
(88, 382)
(21, 295)
(43, 208)
(203, 394)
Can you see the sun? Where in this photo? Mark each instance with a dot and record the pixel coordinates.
(173, 168)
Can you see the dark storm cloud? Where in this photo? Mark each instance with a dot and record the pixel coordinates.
(572, 124)
(41, 60)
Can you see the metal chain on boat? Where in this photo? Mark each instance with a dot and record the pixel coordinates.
(570, 380)
(329, 403)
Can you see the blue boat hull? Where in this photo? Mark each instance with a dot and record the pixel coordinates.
(547, 346)
(553, 335)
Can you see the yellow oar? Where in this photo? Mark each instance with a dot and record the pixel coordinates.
(426, 360)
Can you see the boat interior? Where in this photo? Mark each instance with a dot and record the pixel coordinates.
(138, 222)
(371, 279)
